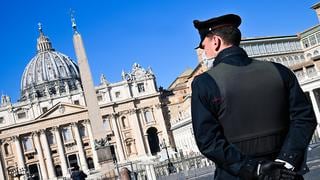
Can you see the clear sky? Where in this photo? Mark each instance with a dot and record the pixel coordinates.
(117, 33)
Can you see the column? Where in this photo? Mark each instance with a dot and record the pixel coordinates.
(315, 108)
(141, 115)
(157, 112)
(40, 155)
(63, 161)
(118, 138)
(82, 156)
(94, 152)
(2, 175)
(47, 154)
(138, 135)
(19, 152)
(150, 171)
(147, 144)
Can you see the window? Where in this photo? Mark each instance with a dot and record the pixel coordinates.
(141, 87)
(22, 115)
(315, 53)
(76, 102)
(148, 116)
(311, 71)
(51, 138)
(290, 60)
(58, 170)
(312, 40)
(44, 109)
(298, 45)
(7, 149)
(274, 47)
(130, 144)
(309, 55)
(305, 43)
(249, 50)
(2, 120)
(262, 48)
(129, 147)
(117, 94)
(281, 47)
(268, 48)
(66, 132)
(318, 37)
(27, 144)
(99, 97)
(296, 59)
(299, 73)
(106, 122)
(124, 122)
(292, 46)
(284, 61)
(287, 46)
(82, 130)
(255, 49)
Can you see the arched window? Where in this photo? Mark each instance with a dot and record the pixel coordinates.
(7, 149)
(272, 59)
(82, 130)
(148, 116)
(315, 53)
(51, 138)
(284, 61)
(27, 144)
(309, 55)
(67, 135)
(290, 60)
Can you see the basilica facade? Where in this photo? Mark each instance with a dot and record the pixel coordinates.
(48, 131)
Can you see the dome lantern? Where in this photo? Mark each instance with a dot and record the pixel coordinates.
(43, 42)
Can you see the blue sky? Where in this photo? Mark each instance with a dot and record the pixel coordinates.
(117, 33)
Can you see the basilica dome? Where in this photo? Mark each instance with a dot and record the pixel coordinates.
(49, 72)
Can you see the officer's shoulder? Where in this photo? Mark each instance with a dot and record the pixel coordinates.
(282, 68)
(202, 78)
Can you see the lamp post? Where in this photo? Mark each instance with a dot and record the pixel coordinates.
(16, 171)
(171, 168)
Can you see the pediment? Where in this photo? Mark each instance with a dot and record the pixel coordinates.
(61, 109)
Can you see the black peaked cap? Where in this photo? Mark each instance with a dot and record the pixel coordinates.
(207, 26)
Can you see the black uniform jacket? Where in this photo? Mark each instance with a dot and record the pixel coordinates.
(209, 133)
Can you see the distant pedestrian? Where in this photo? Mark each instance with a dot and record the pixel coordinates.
(78, 174)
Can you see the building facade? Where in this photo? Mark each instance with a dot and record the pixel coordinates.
(298, 52)
(48, 131)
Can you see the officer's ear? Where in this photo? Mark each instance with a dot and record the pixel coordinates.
(217, 42)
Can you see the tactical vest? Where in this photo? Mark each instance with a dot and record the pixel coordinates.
(254, 110)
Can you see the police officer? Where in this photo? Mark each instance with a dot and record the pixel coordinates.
(250, 117)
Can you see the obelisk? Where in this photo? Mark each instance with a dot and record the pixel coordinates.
(102, 152)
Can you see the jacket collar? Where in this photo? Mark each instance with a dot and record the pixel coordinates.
(233, 55)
